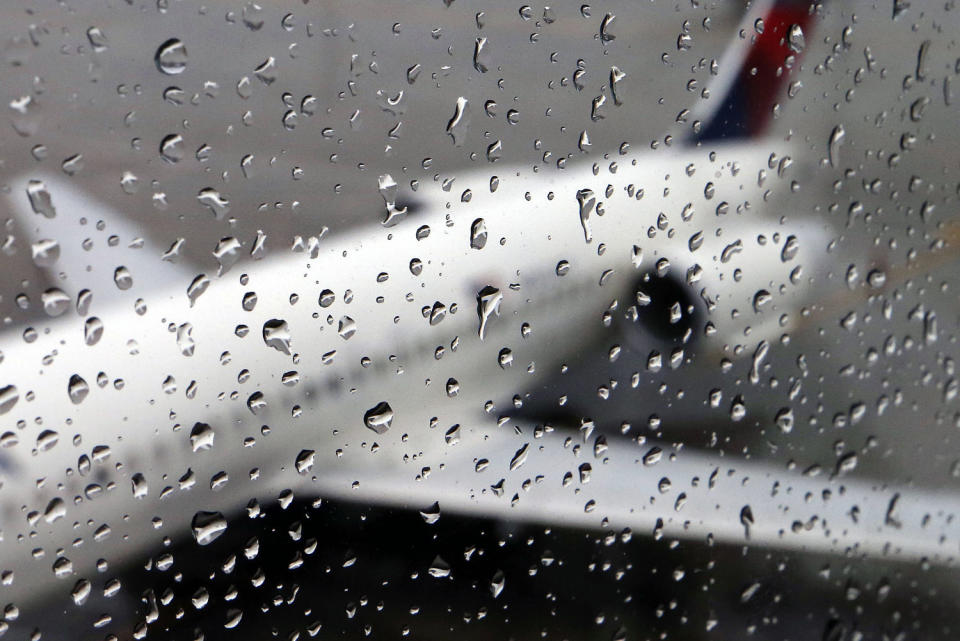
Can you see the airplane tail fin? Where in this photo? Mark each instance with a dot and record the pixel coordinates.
(754, 71)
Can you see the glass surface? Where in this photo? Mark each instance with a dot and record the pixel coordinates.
(460, 319)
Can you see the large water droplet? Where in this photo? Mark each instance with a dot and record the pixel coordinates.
(196, 287)
(379, 418)
(833, 145)
(171, 148)
(478, 234)
(304, 462)
(587, 203)
(227, 253)
(458, 124)
(122, 278)
(77, 389)
(40, 200)
(55, 302)
(45, 252)
(439, 569)
(8, 398)
(276, 334)
(208, 526)
(481, 55)
(171, 57)
(488, 304)
(217, 203)
(795, 39)
(389, 189)
(201, 437)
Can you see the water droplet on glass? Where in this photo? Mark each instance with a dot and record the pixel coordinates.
(97, 39)
(55, 302)
(81, 591)
(171, 148)
(212, 199)
(346, 327)
(389, 190)
(458, 124)
(790, 248)
(201, 437)
(138, 484)
(77, 389)
(439, 569)
(207, 526)
(45, 252)
(876, 278)
(488, 304)
(276, 334)
(171, 57)
(497, 583)
(519, 457)
(379, 417)
(481, 55)
(62, 567)
(8, 398)
(252, 15)
(122, 278)
(40, 200)
(227, 253)
(478, 234)
(304, 461)
(432, 514)
(833, 145)
(587, 203)
(197, 287)
(795, 39)
(56, 509)
(606, 26)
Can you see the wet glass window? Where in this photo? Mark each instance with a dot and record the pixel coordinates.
(433, 319)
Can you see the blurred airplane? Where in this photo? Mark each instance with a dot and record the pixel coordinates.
(380, 365)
